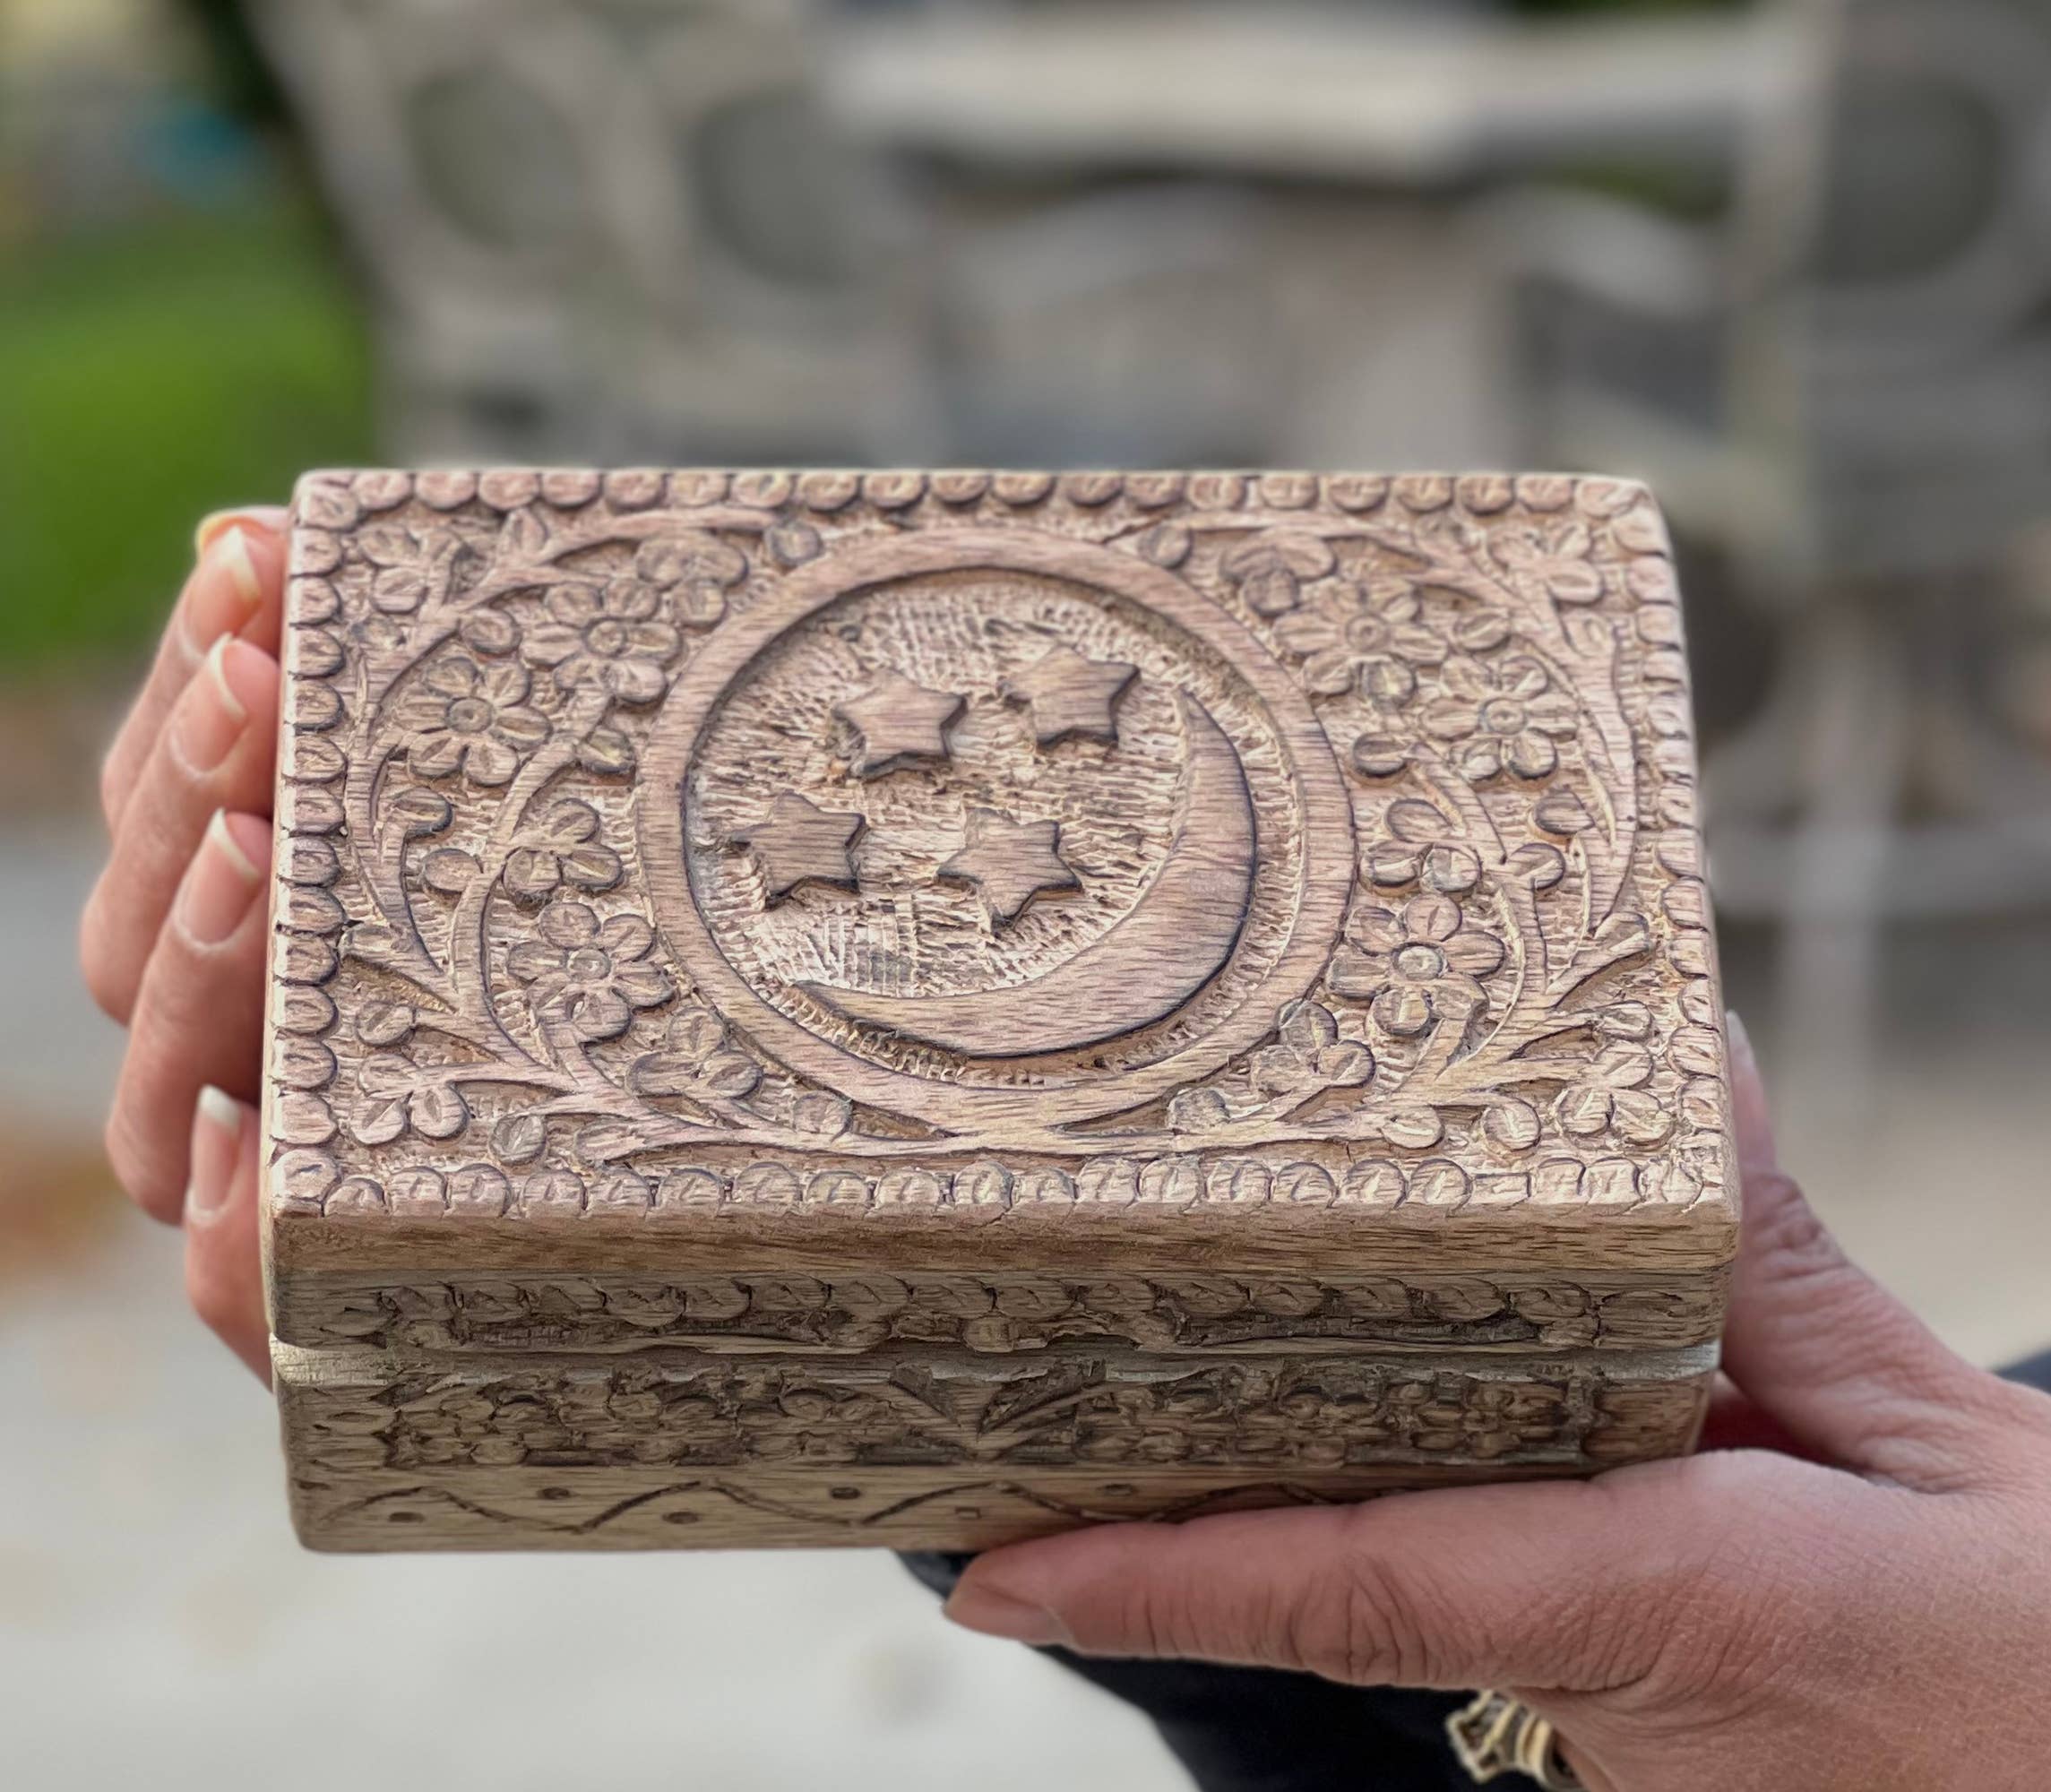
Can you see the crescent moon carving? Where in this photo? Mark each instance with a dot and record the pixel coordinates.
(1174, 939)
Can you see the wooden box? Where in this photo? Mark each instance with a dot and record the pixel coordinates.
(918, 1009)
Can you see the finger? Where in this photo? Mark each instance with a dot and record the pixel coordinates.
(218, 751)
(1823, 1350)
(1568, 1586)
(200, 1016)
(224, 1273)
(236, 588)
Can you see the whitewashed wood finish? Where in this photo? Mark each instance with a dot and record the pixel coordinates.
(940, 922)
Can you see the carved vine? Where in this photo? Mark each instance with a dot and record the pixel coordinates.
(1496, 663)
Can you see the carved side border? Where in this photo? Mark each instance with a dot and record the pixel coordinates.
(870, 1309)
(664, 1455)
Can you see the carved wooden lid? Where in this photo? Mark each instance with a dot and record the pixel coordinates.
(971, 868)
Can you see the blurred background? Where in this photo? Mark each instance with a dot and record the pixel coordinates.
(1790, 260)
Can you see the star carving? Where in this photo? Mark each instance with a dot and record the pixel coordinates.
(1009, 862)
(798, 842)
(900, 723)
(1072, 696)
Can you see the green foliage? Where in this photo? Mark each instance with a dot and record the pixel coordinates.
(147, 375)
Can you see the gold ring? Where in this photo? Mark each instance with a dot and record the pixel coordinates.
(1496, 1734)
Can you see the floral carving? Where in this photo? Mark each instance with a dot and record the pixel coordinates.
(463, 719)
(1501, 716)
(1493, 662)
(562, 849)
(697, 1061)
(592, 975)
(697, 570)
(397, 1102)
(1270, 570)
(1372, 636)
(1416, 965)
(609, 636)
(1425, 844)
(1305, 1412)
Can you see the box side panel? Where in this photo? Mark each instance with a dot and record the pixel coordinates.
(860, 1308)
(674, 1451)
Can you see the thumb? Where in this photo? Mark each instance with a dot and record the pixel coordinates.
(1564, 1586)
(1820, 1348)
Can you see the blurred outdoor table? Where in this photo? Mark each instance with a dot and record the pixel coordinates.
(1395, 97)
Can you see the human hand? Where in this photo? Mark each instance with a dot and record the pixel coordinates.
(1851, 1587)
(174, 936)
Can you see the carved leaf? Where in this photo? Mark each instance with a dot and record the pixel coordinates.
(418, 811)
(518, 1137)
(821, 1112)
(1308, 1030)
(1197, 1110)
(438, 1111)
(731, 1075)
(381, 1122)
(1345, 1065)
(524, 539)
(385, 1023)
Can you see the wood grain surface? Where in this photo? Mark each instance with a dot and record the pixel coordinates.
(862, 926)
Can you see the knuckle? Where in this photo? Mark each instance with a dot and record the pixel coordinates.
(138, 1165)
(1735, 1606)
(97, 962)
(1146, 1623)
(112, 787)
(1793, 1242)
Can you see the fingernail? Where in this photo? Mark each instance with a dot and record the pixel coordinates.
(211, 716)
(1740, 1040)
(220, 886)
(216, 1144)
(224, 592)
(214, 526)
(978, 1607)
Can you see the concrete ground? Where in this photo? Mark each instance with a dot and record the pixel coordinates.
(158, 1624)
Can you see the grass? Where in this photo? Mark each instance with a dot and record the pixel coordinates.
(147, 375)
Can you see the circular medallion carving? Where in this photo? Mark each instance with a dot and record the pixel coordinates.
(994, 823)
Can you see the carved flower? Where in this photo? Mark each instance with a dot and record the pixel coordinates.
(1425, 845)
(398, 1101)
(1556, 558)
(1372, 637)
(696, 1060)
(564, 849)
(1612, 1097)
(1270, 568)
(698, 571)
(593, 974)
(413, 567)
(465, 718)
(611, 638)
(1414, 966)
(1309, 1056)
(1505, 714)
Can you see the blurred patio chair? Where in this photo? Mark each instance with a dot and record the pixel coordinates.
(598, 229)
(1848, 390)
